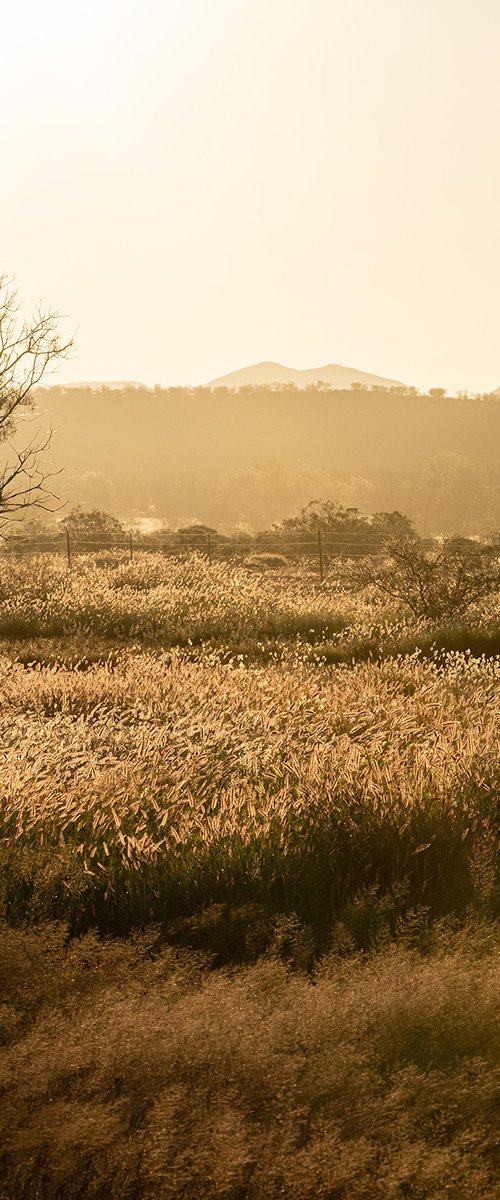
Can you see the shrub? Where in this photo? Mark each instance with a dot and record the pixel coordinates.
(272, 561)
(438, 584)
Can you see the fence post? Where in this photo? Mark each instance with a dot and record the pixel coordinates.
(68, 549)
(320, 555)
(209, 548)
(130, 546)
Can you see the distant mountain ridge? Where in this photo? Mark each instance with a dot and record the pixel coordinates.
(336, 376)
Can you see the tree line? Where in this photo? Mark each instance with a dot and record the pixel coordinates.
(444, 493)
(435, 580)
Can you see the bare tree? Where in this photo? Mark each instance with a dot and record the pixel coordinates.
(439, 584)
(28, 348)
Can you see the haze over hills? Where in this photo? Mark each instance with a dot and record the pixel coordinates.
(256, 455)
(271, 373)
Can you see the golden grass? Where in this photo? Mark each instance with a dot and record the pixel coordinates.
(140, 1074)
(157, 784)
(178, 598)
(47, 611)
(254, 803)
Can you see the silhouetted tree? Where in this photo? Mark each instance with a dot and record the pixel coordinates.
(343, 528)
(391, 524)
(195, 536)
(94, 527)
(27, 349)
(330, 516)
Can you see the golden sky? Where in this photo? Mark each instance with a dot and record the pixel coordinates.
(202, 184)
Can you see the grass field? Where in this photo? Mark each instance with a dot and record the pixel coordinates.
(105, 601)
(133, 1071)
(249, 882)
(154, 786)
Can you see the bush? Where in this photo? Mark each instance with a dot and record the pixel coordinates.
(271, 561)
(437, 584)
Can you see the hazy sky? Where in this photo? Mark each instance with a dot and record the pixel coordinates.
(201, 184)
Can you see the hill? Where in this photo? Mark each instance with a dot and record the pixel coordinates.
(273, 373)
(256, 456)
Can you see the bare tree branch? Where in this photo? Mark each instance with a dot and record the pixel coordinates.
(438, 585)
(28, 348)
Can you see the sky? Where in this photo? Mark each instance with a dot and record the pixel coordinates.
(203, 184)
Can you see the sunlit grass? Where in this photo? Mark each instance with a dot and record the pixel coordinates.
(48, 613)
(287, 798)
(151, 786)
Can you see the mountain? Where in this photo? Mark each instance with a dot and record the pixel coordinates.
(271, 373)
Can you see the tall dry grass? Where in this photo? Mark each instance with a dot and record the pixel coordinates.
(327, 835)
(152, 786)
(188, 602)
(129, 1072)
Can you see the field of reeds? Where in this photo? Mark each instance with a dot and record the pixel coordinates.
(153, 786)
(249, 886)
(133, 1071)
(105, 601)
